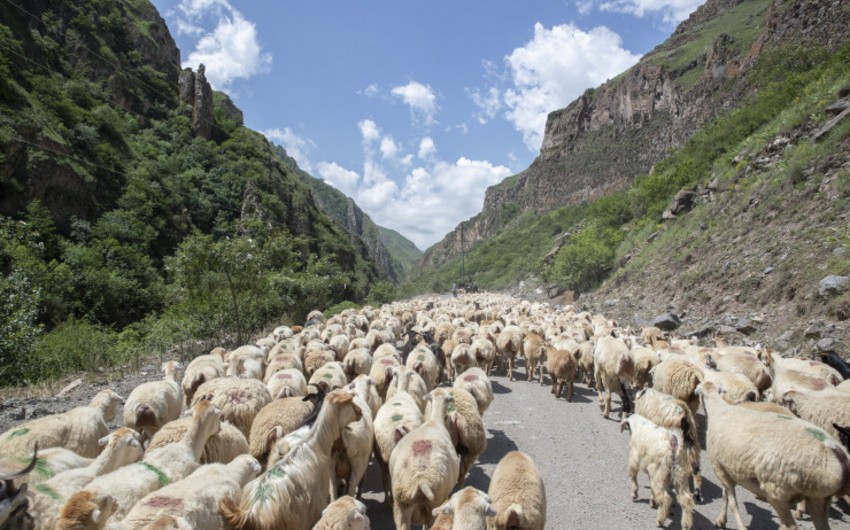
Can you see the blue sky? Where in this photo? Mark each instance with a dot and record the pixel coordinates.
(413, 108)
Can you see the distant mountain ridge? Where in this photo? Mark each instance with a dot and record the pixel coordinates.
(392, 252)
(612, 133)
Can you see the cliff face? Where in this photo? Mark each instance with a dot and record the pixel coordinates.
(609, 135)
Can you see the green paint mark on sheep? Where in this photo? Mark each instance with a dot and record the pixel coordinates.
(396, 404)
(328, 376)
(50, 492)
(420, 357)
(262, 494)
(817, 434)
(451, 407)
(276, 472)
(397, 417)
(785, 416)
(162, 477)
(19, 432)
(42, 467)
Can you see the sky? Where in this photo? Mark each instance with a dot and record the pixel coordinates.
(413, 108)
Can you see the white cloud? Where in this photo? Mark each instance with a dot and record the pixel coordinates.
(371, 90)
(297, 147)
(488, 100)
(337, 176)
(671, 11)
(554, 68)
(389, 149)
(369, 130)
(426, 148)
(230, 50)
(421, 100)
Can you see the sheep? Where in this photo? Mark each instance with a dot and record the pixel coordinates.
(777, 457)
(399, 415)
(203, 368)
(468, 509)
(424, 466)
(289, 382)
(353, 452)
(562, 364)
(645, 360)
(415, 386)
(476, 382)
(249, 351)
(221, 448)
(239, 399)
(14, 501)
(245, 367)
(810, 367)
(736, 387)
(614, 368)
(835, 361)
(357, 362)
(159, 468)
(282, 361)
(666, 411)
(508, 345)
(423, 361)
(372, 397)
(275, 420)
(381, 373)
(466, 429)
(315, 359)
(345, 513)
(78, 429)
(743, 362)
(824, 409)
(49, 463)
(86, 511)
(331, 373)
(785, 379)
(535, 353)
(195, 498)
(517, 494)
(660, 453)
(460, 359)
(292, 494)
(153, 404)
(484, 352)
(122, 447)
(678, 378)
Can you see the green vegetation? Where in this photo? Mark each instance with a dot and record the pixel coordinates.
(121, 234)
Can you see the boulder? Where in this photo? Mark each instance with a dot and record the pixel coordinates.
(833, 285)
(667, 322)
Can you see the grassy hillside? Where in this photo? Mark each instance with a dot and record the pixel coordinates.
(402, 249)
(122, 232)
(763, 196)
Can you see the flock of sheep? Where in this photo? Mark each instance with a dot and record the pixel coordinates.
(279, 434)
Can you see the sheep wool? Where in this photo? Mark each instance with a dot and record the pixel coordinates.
(517, 493)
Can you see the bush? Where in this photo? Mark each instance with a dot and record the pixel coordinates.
(75, 345)
(381, 293)
(18, 328)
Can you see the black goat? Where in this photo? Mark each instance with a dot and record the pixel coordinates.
(834, 360)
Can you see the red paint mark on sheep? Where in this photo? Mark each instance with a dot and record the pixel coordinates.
(283, 376)
(238, 396)
(161, 501)
(386, 360)
(468, 378)
(422, 448)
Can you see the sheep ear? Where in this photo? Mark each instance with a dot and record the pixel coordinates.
(95, 515)
(103, 441)
(134, 442)
(514, 515)
(490, 512)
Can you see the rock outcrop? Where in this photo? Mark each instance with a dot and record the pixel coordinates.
(195, 91)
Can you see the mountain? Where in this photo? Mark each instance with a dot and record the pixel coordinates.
(613, 133)
(710, 180)
(136, 209)
(392, 252)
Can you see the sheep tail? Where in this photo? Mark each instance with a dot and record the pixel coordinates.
(145, 416)
(426, 490)
(238, 518)
(841, 455)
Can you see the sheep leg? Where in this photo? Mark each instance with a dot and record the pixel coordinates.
(730, 501)
(658, 481)
(633, 473)
(569, 389)
(510, 368)
(697, 477)
(385, 474)
(684, 497)
(819, 508)
(783, 510)
(398, 517)
(530, 370)
(800, 510)
(355, 480)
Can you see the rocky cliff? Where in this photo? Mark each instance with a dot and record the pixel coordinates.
(609, 135)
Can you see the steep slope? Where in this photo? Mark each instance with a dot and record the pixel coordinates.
(612, 133)
(392, 253)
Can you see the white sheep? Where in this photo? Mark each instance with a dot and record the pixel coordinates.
(357, 362)
(518, 494)
(742, 361)
(49, 463)
(161, 467)
(353, 453)
(476, 382)
(195, 498)
(779, 458)
(424, 467)
(736, 387)
(245, 367)
(372, 397)
(465, 427)
(826, 408)
(78, 429)
(345, 513)
(660, 452)
(666, 411)
(534, 350)
(461, 359)
(292, 494)
(153, 404)
(423, 361)
(614, 369)
(239, 399)
(122, 447)
(282, 361)
(203, 368)
(468, 509)
(275, 420)
(508, 346)
(331, 373)
(485, 353)
(399, 415)
(289, 382)
(221, 448)
(416, 386)
(562, 365)
(382, 373)
(645, 360)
